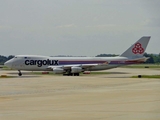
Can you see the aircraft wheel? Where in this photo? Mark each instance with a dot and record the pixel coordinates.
(76, 74)
(71, 74)
(20, 74)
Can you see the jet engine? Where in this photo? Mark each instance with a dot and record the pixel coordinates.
(58, 70)
(76, 69)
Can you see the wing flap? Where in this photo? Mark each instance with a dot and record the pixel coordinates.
(84, 66)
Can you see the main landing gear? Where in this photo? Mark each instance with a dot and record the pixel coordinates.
(76, 74)
(20, 74)
(71, 74)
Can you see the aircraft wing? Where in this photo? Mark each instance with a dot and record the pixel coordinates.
(70, 66)
(73, 68)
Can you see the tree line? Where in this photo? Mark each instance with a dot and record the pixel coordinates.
(3, 59)
(153, 58)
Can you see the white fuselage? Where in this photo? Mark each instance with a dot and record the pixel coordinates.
(75, 65)
(41, 63)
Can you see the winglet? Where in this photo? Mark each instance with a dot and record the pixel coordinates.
(137, 50)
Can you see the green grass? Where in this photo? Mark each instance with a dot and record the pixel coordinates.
(98, 73)
(40, 73)
(148, 76)
(142, 66)
(81, 74)
(6, 68)
(8, 77)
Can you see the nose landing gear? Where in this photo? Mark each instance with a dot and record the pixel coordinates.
(20, 74)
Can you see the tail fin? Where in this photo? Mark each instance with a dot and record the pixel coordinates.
(137, 50)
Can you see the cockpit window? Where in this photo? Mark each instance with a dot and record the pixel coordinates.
(25, 57)
(15, 57)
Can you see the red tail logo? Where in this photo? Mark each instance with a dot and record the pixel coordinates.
(138, 49)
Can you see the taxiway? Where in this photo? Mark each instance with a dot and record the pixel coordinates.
(113, 96)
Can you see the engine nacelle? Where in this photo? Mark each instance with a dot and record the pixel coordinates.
(58, 70)
(76, 69)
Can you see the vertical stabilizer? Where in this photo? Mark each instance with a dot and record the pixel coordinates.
(137, 50)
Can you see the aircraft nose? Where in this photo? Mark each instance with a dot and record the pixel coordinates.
(8, 64)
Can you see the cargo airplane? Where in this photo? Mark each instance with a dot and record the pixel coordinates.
(75, 65)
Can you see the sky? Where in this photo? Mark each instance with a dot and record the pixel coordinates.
(77, 27)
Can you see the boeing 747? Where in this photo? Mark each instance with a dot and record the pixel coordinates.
(76, 65)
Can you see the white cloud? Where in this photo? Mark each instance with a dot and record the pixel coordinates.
(72, 24)
(67, 26)
(101, 26)
(5, 27)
